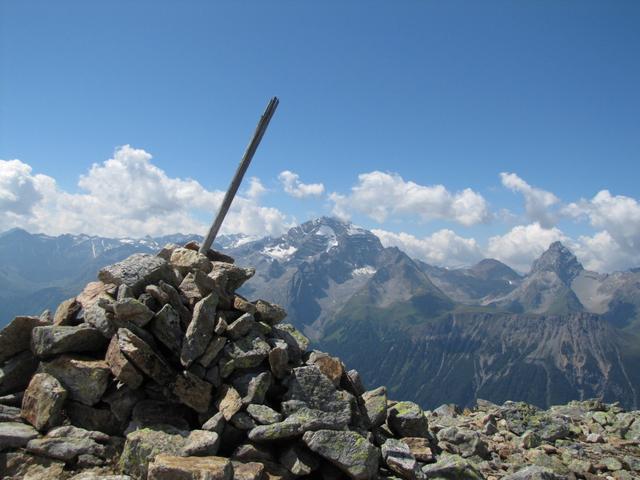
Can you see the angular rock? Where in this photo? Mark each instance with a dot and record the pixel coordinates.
(311, 387)
(185, 260)
(329, 366)
(196, 285)
(43, 401)
(200, 330)
(193, 392)
(122, 400)
(22, 465)
(228, 402)
(241, 326)
(213, 349)
(263, 415)
(121, 367)
(165, 326)
(144, 358)
(84, 379)
(279, 360)
(247, 352)
(247, 471)
(228, 277)
(348, 451)
(92, 293)
(299, 461)
(399, 459)
(201, 443)
(375, 403)
(131, 310)
(215, 423)
(463, 442)
(9, 414)
(420, 448)
(96, 316)
(269, 312)
(167, 467)
(276, 431)
(16, 372)
(253, 387)
(406, 419)
(296, 342)
(453, 468)
(137, 271)
(176, 301)
(534, 473)
(65, 449)
(53, 340)
(16, 336)
(142, 446)
(66, 312)
(243, 305)
(15, 435)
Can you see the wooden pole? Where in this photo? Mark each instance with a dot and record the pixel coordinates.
(237, 178)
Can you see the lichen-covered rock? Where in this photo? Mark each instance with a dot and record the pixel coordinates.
(330, 366)
(142, 447)
(121, 367)
(407, 419)
(534, 473)
(299, 461)
(263, 415)
(375, 403)
(348, 451)
(269, 312)
(201, 443)
(463, 442)
(200, 330)
(229, 277)
(165, 326)
(52, 340)
(43, 401)
(22, 465)
(168, 467)
(144, 357)
(452, 468)
(241, 326)
(138, 271)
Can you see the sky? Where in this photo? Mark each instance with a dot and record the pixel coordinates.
(454, 130)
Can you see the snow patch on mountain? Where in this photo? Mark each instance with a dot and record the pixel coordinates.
(280, 252)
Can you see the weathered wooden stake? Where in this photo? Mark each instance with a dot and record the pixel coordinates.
(237, 178)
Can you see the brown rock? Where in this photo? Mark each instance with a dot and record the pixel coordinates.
(195, 286)
(143, 357)
(138, 271)
(419, 448)
(121, 367)
(248, 471)
(229, 402)
(22, 465)
(193, 392)
(66, 312)
(56, 339)
(167, 467)
(84, 379)
(330, 366)
(92, 293)
(269, 312)
(16, 372)
(243, 305)
(43, 401)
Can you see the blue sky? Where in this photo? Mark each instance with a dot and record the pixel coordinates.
(434, 93)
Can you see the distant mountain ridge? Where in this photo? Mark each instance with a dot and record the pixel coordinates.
(558, 333)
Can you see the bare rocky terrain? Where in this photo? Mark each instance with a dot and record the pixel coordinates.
(161, 370)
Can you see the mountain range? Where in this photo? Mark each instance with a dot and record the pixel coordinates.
(431, 334)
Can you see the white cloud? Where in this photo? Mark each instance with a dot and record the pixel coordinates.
(380, 195)
(256, 188)
(443, 247)
(294, 187)
(523, 244)
(538, 203)
(125, 196)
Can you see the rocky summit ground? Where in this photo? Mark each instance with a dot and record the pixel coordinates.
(160, 370)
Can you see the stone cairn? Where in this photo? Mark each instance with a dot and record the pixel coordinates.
(162, 371)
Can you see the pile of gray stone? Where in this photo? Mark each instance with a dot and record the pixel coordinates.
(160, 370)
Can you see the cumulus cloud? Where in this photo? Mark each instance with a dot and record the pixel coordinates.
(294, 187)
(443, 247)
(538, 203)
(523, 244)
(126, 195)
(380, 195)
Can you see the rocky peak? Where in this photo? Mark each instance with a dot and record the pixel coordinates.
(560, 260)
